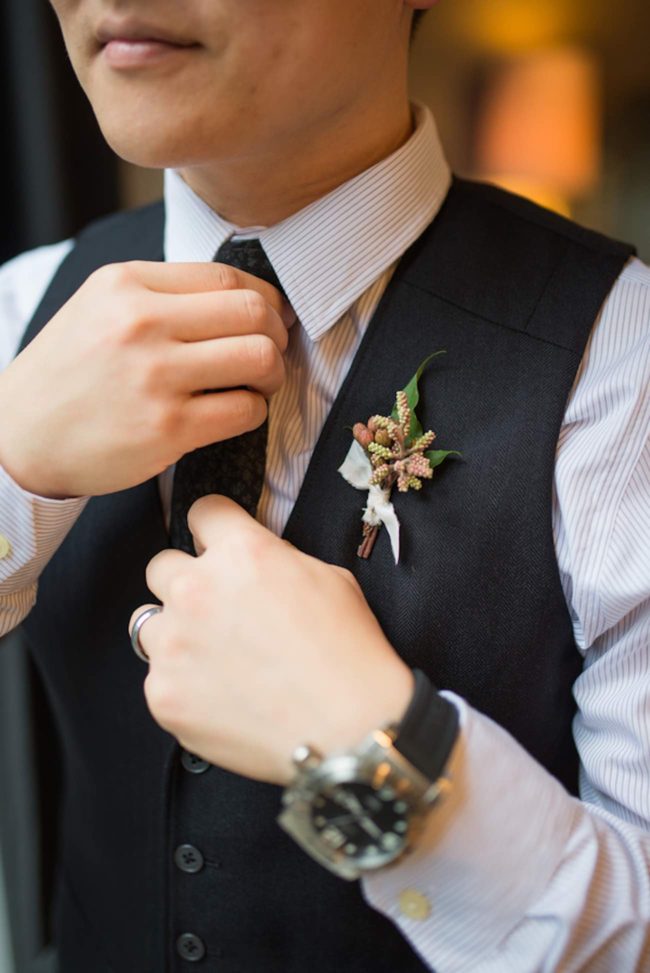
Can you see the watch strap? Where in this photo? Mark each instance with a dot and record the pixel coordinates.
(428, 729)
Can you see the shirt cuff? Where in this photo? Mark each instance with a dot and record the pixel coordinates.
(31, 529)
(488, 851)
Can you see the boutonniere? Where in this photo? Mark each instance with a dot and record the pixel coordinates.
(391, 451)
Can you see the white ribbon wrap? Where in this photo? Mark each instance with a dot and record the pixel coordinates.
(356, 469)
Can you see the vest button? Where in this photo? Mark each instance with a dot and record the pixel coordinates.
(188, 858)
(194, 764)
(190, 947)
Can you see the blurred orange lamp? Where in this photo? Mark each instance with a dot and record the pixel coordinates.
(539, 131)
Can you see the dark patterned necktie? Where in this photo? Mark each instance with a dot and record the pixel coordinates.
(234, 467)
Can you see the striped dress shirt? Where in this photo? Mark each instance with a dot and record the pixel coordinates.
(512, 873)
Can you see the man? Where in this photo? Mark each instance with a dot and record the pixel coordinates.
(521, 574)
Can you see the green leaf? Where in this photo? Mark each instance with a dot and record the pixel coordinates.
(438, 456)
(415, 429)
(413, 396)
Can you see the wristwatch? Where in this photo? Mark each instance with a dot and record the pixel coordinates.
(362, 809)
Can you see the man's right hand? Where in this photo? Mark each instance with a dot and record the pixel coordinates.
(110, 393)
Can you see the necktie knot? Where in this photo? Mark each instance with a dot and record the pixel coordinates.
(248, 255)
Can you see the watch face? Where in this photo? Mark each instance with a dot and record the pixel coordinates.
(360, 822)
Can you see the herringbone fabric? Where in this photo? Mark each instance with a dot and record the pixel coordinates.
(233, 467)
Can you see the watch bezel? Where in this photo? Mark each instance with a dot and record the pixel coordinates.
(376, 763)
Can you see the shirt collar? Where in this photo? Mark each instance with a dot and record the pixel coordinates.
(329, 253)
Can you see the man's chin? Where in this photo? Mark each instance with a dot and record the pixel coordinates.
(152, 146)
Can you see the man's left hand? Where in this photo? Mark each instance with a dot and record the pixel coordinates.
(260, 648)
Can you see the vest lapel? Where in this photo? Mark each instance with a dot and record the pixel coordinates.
(326, 519)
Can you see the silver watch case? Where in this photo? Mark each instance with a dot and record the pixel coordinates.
(375, 762)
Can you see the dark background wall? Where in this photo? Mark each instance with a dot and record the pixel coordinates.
(57, 174)
(56, 170)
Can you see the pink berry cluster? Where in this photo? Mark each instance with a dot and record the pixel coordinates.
(396, 459)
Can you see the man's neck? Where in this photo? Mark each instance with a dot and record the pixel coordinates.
(267, 187)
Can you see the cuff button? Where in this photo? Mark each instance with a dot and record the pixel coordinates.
(5, 547)
(414, 905)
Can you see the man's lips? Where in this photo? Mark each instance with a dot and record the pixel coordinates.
(124, 53)
(130, 44)
(138, 30)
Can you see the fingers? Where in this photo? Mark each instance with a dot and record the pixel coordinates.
(252, 360)
(201, 317)
(217, 416)
(163, 568)
(221, 341)
(213, 517)
(192, 278)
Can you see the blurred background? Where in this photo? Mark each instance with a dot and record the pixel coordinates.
(548, 98)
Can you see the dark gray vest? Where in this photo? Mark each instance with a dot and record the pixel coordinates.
(511, 292)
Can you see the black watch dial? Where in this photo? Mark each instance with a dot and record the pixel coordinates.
(360, 822)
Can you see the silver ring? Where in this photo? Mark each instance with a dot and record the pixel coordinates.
(135, 631)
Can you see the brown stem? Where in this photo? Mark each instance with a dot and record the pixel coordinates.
(369, 537)
(390, 480)
(369, 532)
